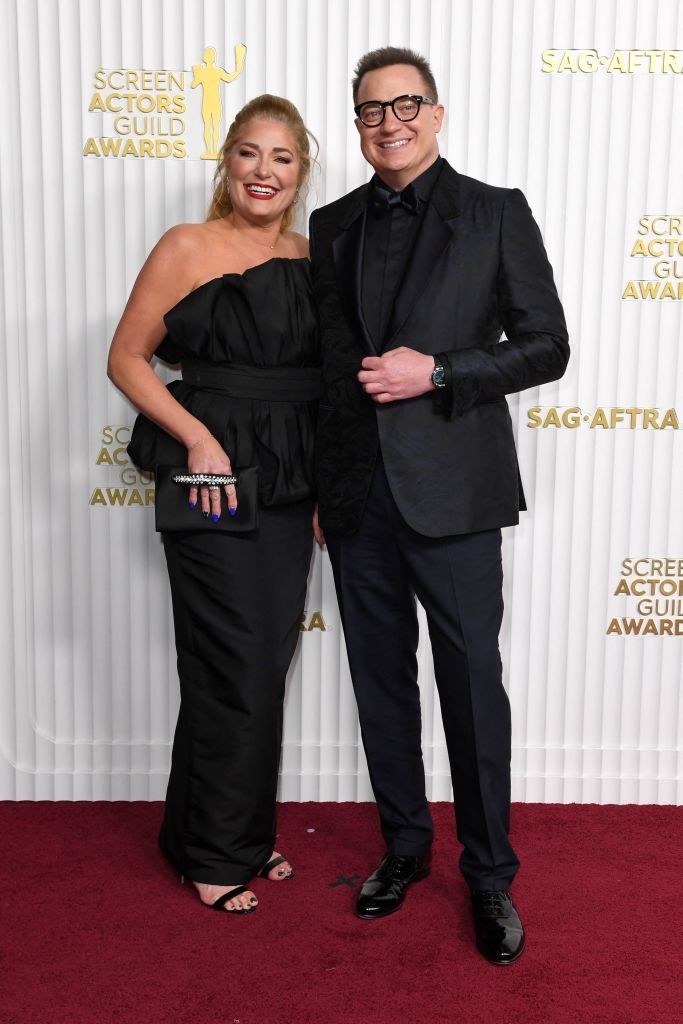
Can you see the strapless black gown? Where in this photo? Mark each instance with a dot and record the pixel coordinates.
(248, 346)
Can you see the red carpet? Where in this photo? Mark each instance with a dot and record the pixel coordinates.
(95, 929)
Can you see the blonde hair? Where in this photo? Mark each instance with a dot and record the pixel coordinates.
(262, 108)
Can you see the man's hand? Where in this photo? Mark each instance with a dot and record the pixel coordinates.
(317, 529)
(399, 373)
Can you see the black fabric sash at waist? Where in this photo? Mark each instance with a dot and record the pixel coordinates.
(269, 383)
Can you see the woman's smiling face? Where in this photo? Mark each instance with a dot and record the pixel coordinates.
(264, 170)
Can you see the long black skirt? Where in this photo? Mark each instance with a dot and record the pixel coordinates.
(237, 604)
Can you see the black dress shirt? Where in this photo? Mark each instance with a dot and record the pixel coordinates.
(390, 235)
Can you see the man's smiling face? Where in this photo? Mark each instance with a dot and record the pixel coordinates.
(399, 151)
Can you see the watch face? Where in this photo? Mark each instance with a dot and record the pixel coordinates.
(438, 376)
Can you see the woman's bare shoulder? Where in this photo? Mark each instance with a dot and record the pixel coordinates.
(192, 253)
(188, 237)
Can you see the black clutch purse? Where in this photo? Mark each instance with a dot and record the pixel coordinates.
(172, 511)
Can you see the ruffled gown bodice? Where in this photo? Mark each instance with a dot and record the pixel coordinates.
(248, 347)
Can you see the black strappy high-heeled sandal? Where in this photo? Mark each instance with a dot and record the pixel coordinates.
(275, 862)
(219, 904)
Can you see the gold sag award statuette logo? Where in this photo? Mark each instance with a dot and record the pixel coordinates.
(144, 112)
(657, 586)
(623, 62)
(137, 490)
(209, 76)
(616, 417)
(660, 238)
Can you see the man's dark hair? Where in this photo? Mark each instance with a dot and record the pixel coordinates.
(384, 58)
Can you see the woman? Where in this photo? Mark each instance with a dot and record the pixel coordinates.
(231, 300)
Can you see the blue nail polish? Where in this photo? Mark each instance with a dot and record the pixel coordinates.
(193, 504)
(232, 511)
(215, 517)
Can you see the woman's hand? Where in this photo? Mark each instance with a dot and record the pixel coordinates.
(206, 456)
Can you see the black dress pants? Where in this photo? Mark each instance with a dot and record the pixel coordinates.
(237, 604)
(458, 579)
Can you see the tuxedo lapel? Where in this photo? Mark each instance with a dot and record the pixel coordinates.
(436, 232)
(347, 250)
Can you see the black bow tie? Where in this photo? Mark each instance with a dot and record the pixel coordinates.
(384, 201)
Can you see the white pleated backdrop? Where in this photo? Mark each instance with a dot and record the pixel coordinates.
(87, 665)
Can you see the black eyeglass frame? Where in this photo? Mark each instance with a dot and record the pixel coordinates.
(390, 103)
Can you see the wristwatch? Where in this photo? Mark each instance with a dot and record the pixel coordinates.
(438, 373)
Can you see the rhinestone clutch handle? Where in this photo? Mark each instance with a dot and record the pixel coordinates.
(204, 479)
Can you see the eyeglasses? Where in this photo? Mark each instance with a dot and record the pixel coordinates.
(405, 108)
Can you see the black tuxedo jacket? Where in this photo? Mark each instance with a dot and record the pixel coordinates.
(478, 269)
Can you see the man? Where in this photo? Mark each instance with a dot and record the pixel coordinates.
(417, 275)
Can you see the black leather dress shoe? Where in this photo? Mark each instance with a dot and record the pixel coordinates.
(500, 934)
(385, 889)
